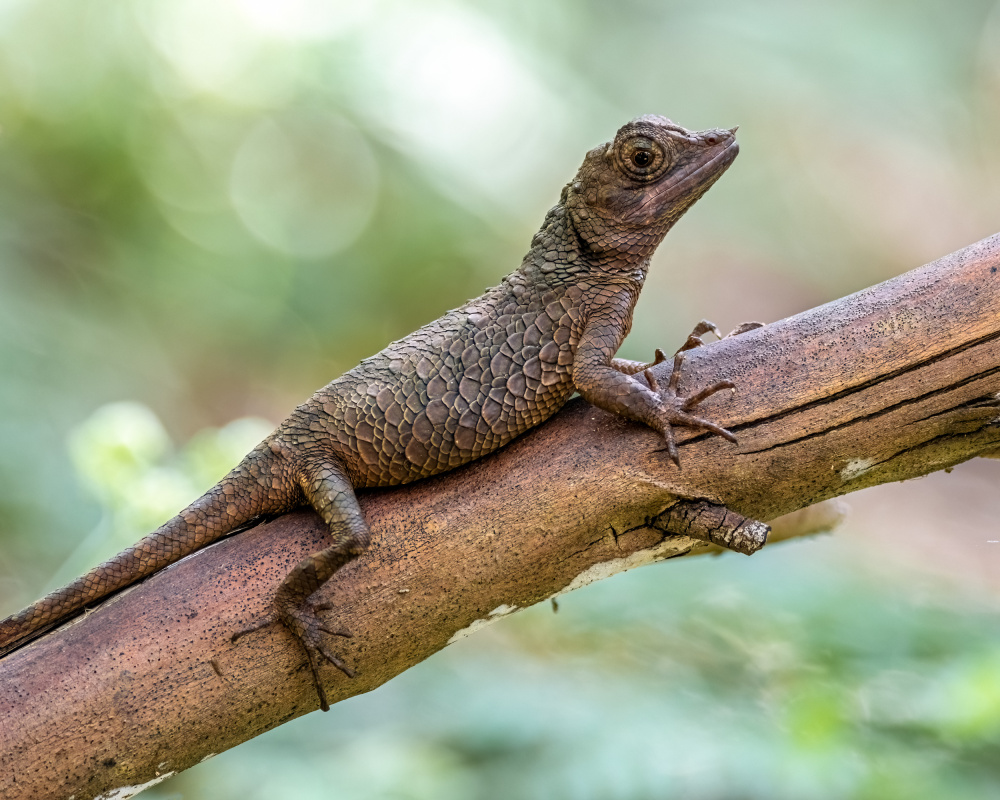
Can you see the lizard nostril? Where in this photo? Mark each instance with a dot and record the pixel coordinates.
(713, 138)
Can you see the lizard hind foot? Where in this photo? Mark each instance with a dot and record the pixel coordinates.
(328, 490)
(307, 628)
(304, 623)
(276, 617)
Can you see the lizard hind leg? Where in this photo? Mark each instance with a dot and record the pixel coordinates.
(257, 486)
(327, 488)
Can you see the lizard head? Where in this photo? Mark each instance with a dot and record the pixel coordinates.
(629, 192)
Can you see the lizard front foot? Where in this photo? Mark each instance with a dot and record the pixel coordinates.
(304, 623)
(694, 338)
(675, 407)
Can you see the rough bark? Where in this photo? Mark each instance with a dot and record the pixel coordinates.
(894, 382)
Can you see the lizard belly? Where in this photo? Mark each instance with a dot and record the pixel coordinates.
(451, 392)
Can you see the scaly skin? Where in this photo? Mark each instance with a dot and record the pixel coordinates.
(458, 388)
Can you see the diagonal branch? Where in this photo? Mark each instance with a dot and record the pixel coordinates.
(890, 383)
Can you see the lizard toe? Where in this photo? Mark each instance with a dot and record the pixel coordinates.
(694, 400)
(306, 626)
(679, 417)
(269, 620)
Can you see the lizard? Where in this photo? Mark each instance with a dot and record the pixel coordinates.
(458, 388)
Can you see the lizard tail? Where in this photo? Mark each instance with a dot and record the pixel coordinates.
(251, 490)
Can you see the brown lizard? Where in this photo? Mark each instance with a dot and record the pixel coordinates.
(458, 388)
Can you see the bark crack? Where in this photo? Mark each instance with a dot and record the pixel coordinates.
(866, 417)
(883, 378)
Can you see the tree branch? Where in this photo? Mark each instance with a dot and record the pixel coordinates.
(891, 383)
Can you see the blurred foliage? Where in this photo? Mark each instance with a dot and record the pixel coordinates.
(209, 208)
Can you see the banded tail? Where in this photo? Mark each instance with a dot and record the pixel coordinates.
(246, 493)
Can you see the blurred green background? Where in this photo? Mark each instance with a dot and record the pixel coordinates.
(209, 208)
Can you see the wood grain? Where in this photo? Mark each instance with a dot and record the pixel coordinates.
(890, 383)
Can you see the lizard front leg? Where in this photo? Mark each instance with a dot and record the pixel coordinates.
(602, 381)
(628, 367)
(599, 380)
(326, 487)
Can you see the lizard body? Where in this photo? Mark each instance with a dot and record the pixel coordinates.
(458, 388)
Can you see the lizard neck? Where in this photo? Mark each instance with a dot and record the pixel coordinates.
(559, 256)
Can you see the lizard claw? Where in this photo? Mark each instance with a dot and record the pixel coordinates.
(744, 328)
(672, 452)
(269, 620)
(694, 338)
(306, 626)
(314, 648)
(337, 632)
(707, 392)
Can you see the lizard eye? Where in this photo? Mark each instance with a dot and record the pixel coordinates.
(642, 158)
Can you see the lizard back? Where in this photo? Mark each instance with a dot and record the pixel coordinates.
(465, 384)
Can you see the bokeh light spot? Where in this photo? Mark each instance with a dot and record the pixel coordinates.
(306, 185)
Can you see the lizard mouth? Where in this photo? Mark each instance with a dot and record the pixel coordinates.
(702, 176)
(696, 182)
